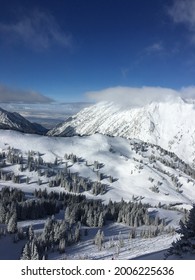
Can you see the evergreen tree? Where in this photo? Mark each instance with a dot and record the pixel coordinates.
(56, 232)
(67, 214)
(30, 233)
(186, 243)
(89, 220)
(34, 251)
(62, 230)
(188, 230)
(101, 220)
(77, 233)
(26, 252)
(62, 244)
(2, 213)
(99, 238)
(12, 224)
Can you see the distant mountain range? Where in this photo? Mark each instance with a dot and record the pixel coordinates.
(15, 121)
(170, 125)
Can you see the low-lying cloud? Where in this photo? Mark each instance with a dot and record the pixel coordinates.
(8, 95)
(138, 97)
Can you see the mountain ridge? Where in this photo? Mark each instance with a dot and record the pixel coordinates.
(15, 121)
(170, 125)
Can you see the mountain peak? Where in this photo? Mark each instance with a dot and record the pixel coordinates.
(169, 124)
(15, 121)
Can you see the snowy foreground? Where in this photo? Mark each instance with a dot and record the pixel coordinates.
(138, 248)
(130, 169)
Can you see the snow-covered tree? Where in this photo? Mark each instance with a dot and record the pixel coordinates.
(186, 242)
(12, 224)
(26, 252)
(30, 233)
(62, 245)
(101, 220)
(34, 251)
(2, 213)
(99, 238)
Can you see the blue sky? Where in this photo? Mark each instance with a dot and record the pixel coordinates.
(63, 49)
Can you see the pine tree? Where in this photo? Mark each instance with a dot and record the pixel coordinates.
(2, 213)
(62, 245)
(99, 238)
(62, 230)
(190, 224)
(26, 252)
(56, 232)
(34, 251)
(12, 224)
(77, 233)
(101, 220)
(89, 220)
(30, 233)
(186, 243)
(67, 214)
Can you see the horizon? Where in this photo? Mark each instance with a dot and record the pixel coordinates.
(62, 51)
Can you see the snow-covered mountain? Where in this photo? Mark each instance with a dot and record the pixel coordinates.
(15, 121)
(170, 125)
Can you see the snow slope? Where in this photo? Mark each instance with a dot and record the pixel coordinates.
(132, 248)
(138, 248)
(131, 165)
(170, 125)
(132, 169)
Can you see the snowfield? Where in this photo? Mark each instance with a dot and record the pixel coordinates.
(131, 170)
(138, 174)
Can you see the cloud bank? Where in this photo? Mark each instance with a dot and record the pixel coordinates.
(138, 97)
(38, 31)
(8, 94)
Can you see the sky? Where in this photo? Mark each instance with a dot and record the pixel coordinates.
(70, 50)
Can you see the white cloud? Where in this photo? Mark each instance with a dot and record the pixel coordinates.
(183, 12)
(137, 97)
(8, 94)
(37, 31)
(188, 92)
(155, 48)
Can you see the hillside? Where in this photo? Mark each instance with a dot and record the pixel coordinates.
(170, 125)
(15, 121)
(129, 169)
(146, 187)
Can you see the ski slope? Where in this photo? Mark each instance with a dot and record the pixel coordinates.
(131, 169)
